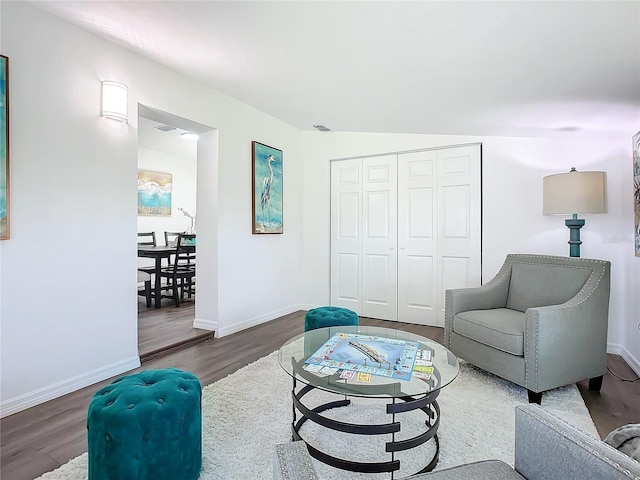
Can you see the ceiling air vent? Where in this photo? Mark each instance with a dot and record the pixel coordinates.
(165, 128)
(322, 128)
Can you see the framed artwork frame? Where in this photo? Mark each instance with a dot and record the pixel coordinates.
(266, 188)
(4, 147)
(154, 193)
(636, 192)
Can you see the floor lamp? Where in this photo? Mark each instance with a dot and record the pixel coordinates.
(573, 193)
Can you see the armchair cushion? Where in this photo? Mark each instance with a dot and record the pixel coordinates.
(535, 285)
(499, 328)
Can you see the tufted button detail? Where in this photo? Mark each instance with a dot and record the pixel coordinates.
(131, 405)
(106, 392)
(161, 401)
(107, 437)
(109, 403)
(146, 436)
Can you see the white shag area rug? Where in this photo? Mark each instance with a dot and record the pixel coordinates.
(250, 411)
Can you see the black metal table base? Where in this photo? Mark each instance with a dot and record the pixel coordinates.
(426, 403)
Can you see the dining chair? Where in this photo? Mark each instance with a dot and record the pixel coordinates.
(147, 239)
(170, 238)
(144, 286)
(181, 274)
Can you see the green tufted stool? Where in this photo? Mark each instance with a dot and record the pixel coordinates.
(146, 426)
(329, 317)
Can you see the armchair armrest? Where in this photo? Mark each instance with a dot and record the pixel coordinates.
(547, 448)
(567, 343)
(493, 294)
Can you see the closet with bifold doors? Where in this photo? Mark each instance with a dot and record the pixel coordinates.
(405, 227)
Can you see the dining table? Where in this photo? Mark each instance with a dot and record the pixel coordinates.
(157, 252)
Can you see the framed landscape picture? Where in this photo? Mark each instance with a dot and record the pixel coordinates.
(266, 169)
(4, 147)
(154, 193)
(636, 191)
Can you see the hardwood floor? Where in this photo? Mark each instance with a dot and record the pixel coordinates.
(167, 328)
(48, 435)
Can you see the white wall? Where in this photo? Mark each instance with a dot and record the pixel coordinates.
(168, 152)
(67, 275)
(183, 192)
(512, 210)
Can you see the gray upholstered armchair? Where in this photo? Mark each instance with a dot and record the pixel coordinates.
(540, 323)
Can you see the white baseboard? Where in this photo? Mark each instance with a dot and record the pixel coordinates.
(252, 322)
(205, 324)
(633, 362)
(621, 350)
(614, 348)
(55, 390)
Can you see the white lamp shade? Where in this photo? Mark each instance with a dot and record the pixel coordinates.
(114, 101)
(574, 192)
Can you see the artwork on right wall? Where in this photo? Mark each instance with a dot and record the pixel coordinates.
(4, 147)
(636, 191)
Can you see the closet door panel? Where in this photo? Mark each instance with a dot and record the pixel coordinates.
(379, 272)
(348, 271)
(404, 228)
(459, 221)
(346, 234)
(417, 204)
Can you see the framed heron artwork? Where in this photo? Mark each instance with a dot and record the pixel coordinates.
(266, 182)
(4, 147)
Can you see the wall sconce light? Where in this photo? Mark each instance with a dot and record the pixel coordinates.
(572, 193)
(114, 101)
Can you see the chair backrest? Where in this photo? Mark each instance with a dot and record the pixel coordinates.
(170, 238)
(147, 239)
(185, 251)
(538, 281)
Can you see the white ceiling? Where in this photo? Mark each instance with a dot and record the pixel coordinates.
(510, 68)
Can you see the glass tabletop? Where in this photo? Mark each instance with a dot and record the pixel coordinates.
(296, 351)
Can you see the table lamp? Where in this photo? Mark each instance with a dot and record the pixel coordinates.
(573, 193)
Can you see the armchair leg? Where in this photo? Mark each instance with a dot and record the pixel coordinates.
(595, 383)
(535, 397)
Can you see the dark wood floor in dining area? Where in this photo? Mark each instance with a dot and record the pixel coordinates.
(46, 436)
(167, 329)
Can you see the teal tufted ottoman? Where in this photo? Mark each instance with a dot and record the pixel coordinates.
(146, 426)
(329, 317)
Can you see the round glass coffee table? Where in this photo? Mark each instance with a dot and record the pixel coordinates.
(404, 369)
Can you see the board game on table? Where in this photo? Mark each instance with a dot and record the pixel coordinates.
(368, 354)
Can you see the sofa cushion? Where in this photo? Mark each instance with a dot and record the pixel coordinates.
(541, 285)
(500, 328)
